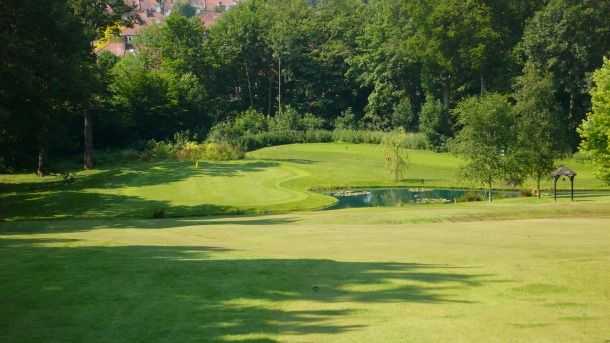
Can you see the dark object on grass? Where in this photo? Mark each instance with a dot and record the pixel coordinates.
(564, 172)
(158, 213)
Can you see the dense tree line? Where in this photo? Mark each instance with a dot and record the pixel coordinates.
(383, 64)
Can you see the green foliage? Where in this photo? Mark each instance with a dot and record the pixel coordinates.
(568, 39)
(286, 120)
(395, 154)
(310, 122)
(488, 138)
(347, 120)
(223, 151)
(358, 136)
(415, 141)
(403, 115)
(434, 123)
(595, 130)
(184, 8)
(538, 125)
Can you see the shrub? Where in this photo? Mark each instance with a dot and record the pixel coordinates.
(223, 132)
(193, 152)
(470, 196)
(358, 136)
(158, 151)
(311, 122)
(223, 152)
(347, 120)
(249, 122)
(286, 120)
(415, 141)
(318, 136)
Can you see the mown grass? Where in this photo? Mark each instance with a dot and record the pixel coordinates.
(518, 270)
(337, 276)
(276, 179)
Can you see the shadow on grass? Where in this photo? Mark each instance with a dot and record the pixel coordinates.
(292, 160)
(197, 294)
(141, 174)
(83, 198)
(74, 204)
(83, 225)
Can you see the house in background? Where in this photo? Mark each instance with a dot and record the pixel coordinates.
(155, 11)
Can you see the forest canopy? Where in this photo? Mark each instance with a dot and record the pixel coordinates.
(375, 65)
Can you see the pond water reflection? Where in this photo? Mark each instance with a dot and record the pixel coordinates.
(389, 197)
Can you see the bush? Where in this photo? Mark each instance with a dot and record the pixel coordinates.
(158, 151)
(347, 120)
(318, 136)
(223, 152)
(415, 141)
(286, 120)
(470, 196)
(358, 136)
(311, 122)
(249, 122)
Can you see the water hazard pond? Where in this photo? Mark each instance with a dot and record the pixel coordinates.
(389, 197)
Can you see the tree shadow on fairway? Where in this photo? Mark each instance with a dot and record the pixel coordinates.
(83, 225)
(292, 160)
(74, 204)
(199, 294)
(93, 196)
(234, 169)
(139, 175)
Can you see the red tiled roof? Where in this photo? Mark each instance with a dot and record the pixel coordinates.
(150, 12)
(116, 48)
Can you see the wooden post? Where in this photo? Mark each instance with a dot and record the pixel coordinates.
(555, 187)
(572, 187)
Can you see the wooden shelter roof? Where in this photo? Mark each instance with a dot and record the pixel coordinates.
(563, 171)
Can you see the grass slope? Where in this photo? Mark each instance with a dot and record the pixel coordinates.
(275, 179)
(337, 276)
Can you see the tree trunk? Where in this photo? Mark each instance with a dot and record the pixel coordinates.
(42, 160)
(538, 186)
(88, 136)
(490, 190)
(483, 87)
(446, 95)
(249, 84)
(279, 85)
(269, 95)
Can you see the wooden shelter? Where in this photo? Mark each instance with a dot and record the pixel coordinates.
(565, 172)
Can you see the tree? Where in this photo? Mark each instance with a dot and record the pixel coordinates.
(539, 138)
(184, 8)
(595, 130)
(434, 123)
(40, 74)
(395, 154)
(488, 138)
(99, 17)
(568, 40)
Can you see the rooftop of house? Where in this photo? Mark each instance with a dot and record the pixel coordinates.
(154, 12)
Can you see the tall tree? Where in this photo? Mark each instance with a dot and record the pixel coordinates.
(595, 130)
(539, 138)
(97, 16)
(488, 138)
(568, 39)
(43, 52)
